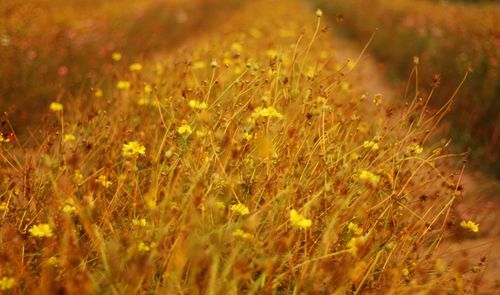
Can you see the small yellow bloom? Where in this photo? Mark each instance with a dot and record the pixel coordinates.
(242, 234)
(197, 105)
(103, 180)
(184, 129)
(144, 101)
(133, 148)
(369, 144)
(405, 272)
(142, 222)
(41, 230)
(116, 56)
(56, 107)
(69, 209)
(298, 220)
(354, 228)
(369, 177)
(123, 85)
(69, 137)
(4, 206)
(220, 205)
(240, 209)
(98, 93)
(470, 225)
(268, 112)
(135, 67)
(143, 247)
(7, 283)
(354, 244)
(377, 99)
(148, 88)
(247, 136)
(4, 138)
(53, 260)
(415, 149)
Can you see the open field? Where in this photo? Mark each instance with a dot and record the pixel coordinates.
(194, 147)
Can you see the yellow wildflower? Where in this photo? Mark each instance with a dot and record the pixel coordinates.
(98, 93)
(56, 107)
(236, 47)
(377, 99)
(116, 56)
(268, 112)
(103, 180)
(184, 129)
(298, 220)
(247, 136)
(4, 206)
(123, 84)
(354, 244)
(4, 138)
(143, 247)
(148, 88)
(7, 283)
(133, 148)
(415, 149)
(470, 225)
(53, 260)
(197, 105)
(405, 272)
(142, 222)
(220, 205)
(242, 234)
(369, 177)
(41, 230)
(240, 209)
(69, 137)
(369, 144)
(354, 228)
(143, 101)
(135, 67)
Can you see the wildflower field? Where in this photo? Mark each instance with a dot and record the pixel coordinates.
(226, 147)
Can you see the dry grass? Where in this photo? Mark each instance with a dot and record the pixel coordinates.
(232, 133)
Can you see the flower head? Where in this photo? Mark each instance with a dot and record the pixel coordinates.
(298, 220)
(242, 234)
(369, 177)
(69, 137)
(123, 85)
(197, 105)
(103, 180)
(133, 148)
(116, 56)
(56, 107)
(7, 283)
(41, 230)
(184, 129)
(470, 225)
(135, 67)
(370, 144)
(240, 209)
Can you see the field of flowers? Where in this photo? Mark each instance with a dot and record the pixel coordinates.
(247, 159)
(447, 38)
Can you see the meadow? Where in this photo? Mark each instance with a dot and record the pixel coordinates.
(234, 152)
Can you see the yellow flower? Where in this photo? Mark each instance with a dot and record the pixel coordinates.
(240, 209)
(405, 272)
(7, 283)
(415, 149)
(354, 244)
(98, 93)
(69, 209)
(143, 101)
(184, 129)
(470, 225)
(3, 138)
(53, 260)
(4, 207)
(369, 177)
(69, 137)
(123, 85)
(103, 180)
(116, 56)
(242, 234)
(247, 136)
(143, 247)
(135, 67)
(354, 228)
(268, 112)
(148, 88)
(142, 222)
(220, 205)
(41, 230)
(377, 99)
(369, 144)
(298, 220)
(56, 107)
(197, 105)
(133, 148)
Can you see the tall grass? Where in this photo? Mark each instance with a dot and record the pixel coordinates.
(247, 161)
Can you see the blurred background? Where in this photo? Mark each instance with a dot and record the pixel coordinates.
(53, 49)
